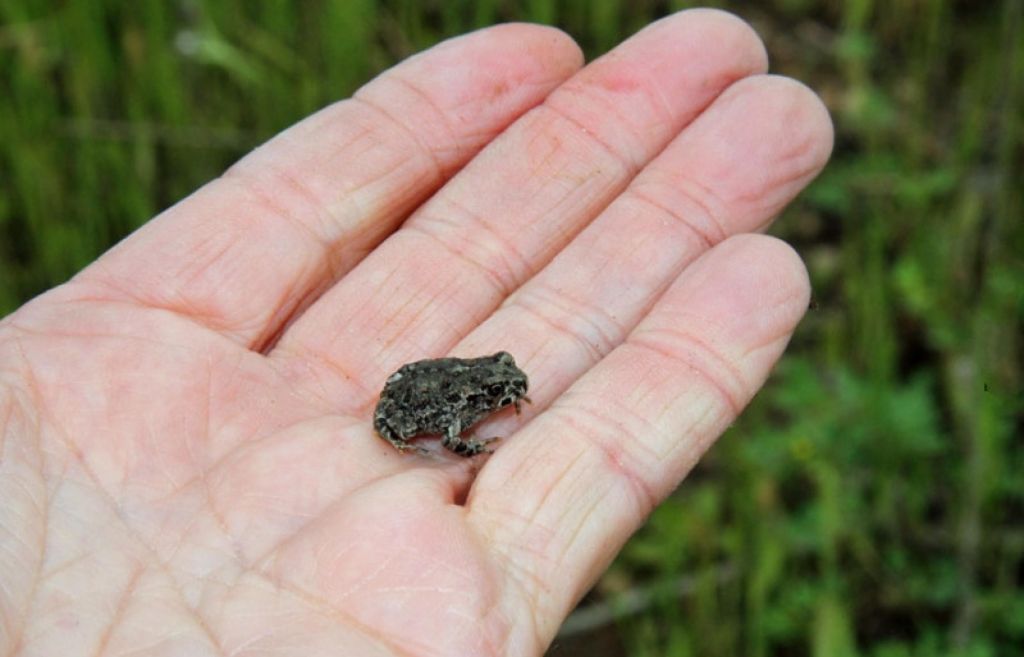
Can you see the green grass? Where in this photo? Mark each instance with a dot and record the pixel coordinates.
(871, 500)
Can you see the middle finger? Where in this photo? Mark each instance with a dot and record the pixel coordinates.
(519, 202)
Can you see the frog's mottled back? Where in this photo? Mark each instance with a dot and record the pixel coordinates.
(446, 396)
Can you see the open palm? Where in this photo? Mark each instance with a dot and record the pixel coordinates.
(188, 465)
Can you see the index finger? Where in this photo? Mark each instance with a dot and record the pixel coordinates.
(249, 250)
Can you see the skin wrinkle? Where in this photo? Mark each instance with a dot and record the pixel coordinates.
(17, 630)
(376, 311)
(222, 461)
(610, 175)
(249, 187)
(253, 185)
(568, 204)
(453, 291)
(491, 646)
(571, 535)
(119, 611)
(301, 376)
(141, 339)
(610, 81)
(206, 319)
(8, 547)
(176, 549)
(628, 166)
(707, 240)
(6, 418)
(540, 171)
(594, 316)
(806, 150)
(33, 391)
(204, 479)
(329, 610)
(237, 361)
(694, 449)
(585, 94)
(567, 467)
(72, 303)
(261, 562)
(151, 440)
(487, 245)
(709, 206)
(516, 575)
(531, 514)
(524, 304)
(311, 600)
(315, 365)
(660, 105)
(440, 171)
(338, 260)
(555, 145)
(492, 609)
(285, 311)
(527, 579)
(426, 313)
(770, 204)
(362, 583)
(614, 438)
(776, 344)
(795, 180)
(654, 341)
(182, 305)
(439, 119)
(200, 622)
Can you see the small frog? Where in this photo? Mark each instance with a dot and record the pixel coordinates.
(446, 396)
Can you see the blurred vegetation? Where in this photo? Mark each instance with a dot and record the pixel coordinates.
(871, 500)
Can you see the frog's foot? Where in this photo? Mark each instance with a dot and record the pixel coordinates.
(470, 447)
(519, 404)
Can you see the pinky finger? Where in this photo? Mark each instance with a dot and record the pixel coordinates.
(559, 500)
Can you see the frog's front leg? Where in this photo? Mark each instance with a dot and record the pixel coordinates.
(454, 442)
(519, 404)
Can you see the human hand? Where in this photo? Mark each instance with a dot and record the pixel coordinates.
(187, 463)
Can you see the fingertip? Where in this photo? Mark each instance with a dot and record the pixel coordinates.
(548, 43)
(725, 36)
(767, 277)
(549, 51)
(798, 105)
(771, 109)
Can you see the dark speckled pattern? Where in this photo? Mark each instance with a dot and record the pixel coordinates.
(447, 396)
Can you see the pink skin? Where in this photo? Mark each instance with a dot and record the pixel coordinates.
(187, 464)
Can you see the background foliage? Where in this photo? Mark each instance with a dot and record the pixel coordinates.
(871, 500)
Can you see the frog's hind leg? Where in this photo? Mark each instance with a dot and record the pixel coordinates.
(399, 443)
(463, 447)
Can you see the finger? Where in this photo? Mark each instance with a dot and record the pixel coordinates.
(242, 254)
(520, 201)
(729, 172)
(559, 499)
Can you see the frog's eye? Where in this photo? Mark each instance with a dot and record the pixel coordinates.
(495, 389)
